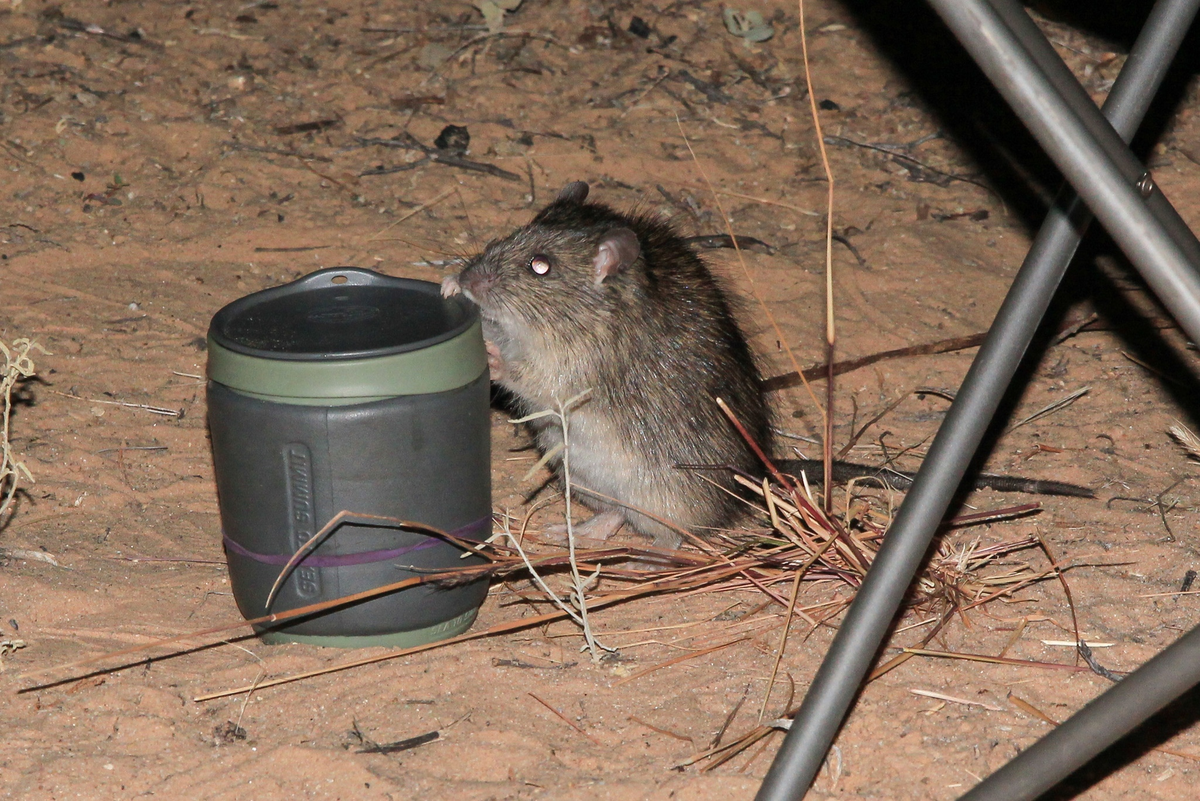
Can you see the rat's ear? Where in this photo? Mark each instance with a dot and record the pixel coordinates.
(617, 250)
(574, 192)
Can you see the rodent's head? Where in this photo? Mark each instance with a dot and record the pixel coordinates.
(563, 263)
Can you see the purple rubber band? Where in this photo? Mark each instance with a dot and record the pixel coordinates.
(363, 558)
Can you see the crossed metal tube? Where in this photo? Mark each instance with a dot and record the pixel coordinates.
(1091, 151)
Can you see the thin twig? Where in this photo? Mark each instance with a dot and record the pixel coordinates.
(143, 406)
(830, 328)
(411, 213)
(679, 659)
(1051, 408)
(564, 718)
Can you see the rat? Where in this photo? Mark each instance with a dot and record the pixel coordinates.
(587, 299)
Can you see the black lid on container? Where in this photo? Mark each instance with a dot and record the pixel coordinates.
(341, 313)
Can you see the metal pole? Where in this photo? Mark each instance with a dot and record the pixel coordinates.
(1077, 150)
(853, 650)
(1098, 725)
(1170, 21)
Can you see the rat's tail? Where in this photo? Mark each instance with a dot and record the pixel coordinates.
(899, 479)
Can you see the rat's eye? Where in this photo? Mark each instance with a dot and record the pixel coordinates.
(540, 264)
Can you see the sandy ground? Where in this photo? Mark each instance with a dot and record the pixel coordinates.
(158, 157)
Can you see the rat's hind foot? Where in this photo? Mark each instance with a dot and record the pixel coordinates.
(599, 528)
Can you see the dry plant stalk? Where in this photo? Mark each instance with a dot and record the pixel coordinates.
(17, 366)
(579, 587)
(830, 329)
(800, 542)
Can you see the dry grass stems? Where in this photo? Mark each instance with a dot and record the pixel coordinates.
(1187, 439)
(797, 543)
(578, 610)
(18, 366)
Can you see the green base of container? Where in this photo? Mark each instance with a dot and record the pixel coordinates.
(401, 639)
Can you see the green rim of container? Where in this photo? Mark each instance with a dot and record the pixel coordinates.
(446, 360)
(438, 368)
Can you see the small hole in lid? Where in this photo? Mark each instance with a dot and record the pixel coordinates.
(339, 279)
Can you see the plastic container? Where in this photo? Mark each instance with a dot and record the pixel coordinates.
(349, 390)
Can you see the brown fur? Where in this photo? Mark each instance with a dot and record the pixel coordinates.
(654, 341)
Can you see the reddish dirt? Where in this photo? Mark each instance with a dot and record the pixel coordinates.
(151, 178)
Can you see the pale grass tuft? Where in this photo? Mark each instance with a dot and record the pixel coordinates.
(1186, 438)
(17, 367)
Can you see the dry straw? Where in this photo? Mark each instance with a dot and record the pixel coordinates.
(796, 543)
(18, 366)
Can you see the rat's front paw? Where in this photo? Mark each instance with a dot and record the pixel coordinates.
(495, 361)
